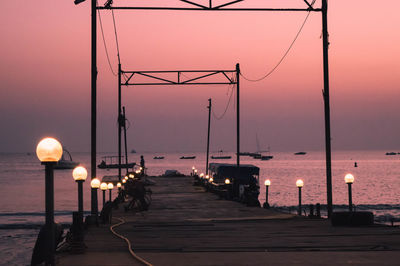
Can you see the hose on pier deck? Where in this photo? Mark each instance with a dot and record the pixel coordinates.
(122, 221)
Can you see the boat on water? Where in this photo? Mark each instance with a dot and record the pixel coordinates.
(266, 157)
(187, 157)
(133, 151)
(300, 153)
(66, 161)
(108, 163)
(256, 155)
(158, 157)
(221, 157)
(391, 153)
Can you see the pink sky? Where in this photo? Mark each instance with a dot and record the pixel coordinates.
(45, 76)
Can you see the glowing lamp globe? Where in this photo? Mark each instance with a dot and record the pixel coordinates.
(124, 181)
(201, 175)
(119, 185)
(95, 183)
(193, 168)
(207, 176)
(227, 181)
(110, 186)
(103, 186)
(299, 183)
(79, 173)
(211, 179)
(131, 175)
(267, 182)
(349, 179)
(49, 150)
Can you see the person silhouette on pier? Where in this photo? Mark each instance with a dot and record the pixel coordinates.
(142, 163)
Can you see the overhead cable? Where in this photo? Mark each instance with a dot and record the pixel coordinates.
(226, 107)
(284, 55)
(105, 45)
(116, 36)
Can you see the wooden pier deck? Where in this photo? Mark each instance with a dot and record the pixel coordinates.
(187, 226)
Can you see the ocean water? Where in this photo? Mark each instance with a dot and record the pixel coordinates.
(376, 188)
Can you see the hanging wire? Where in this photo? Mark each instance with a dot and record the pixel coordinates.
(283, 57)
(105, 45)
(226, 107)
(116, 36)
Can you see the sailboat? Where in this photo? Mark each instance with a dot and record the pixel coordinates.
(259, 151)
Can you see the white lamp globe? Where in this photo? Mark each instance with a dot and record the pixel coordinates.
(49, 150)
(110, 186)
(227, 181)
(79, 173)
(299, 183)
(103, 186)
(267, 182)
(349, 179)
(124, 181)
(119, 185)
(95, 183)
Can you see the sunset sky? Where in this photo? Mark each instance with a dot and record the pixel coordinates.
(45, 76)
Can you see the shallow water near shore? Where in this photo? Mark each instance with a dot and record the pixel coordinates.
(376, 186)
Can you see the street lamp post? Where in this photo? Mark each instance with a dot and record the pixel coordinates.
(110, 187)
(349, 179)
(104, 187)
(299, 184)
(79, 174)
(95, 185)
(267, 183)
(229, 190)
(49, 152)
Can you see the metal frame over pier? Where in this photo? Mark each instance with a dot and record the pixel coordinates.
(229, 6)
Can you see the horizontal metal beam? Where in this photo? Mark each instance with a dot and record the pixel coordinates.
(197, 83)
(209, 9)
(178, 71)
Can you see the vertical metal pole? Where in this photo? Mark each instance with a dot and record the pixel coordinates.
(119, 122)
(237, 117)
(104, 198)
(266, 195)
(126, 144)
(94, 208)
(327, 107)
(110, 194)
(80, 197)
(299, 211)
(350, 198)
(49, 204)
(208, 135)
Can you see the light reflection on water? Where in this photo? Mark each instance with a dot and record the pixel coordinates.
(377, 182)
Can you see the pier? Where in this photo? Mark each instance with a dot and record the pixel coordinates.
(186, 225)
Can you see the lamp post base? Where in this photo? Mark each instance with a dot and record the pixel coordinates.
(77, 244)
(92, 220)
